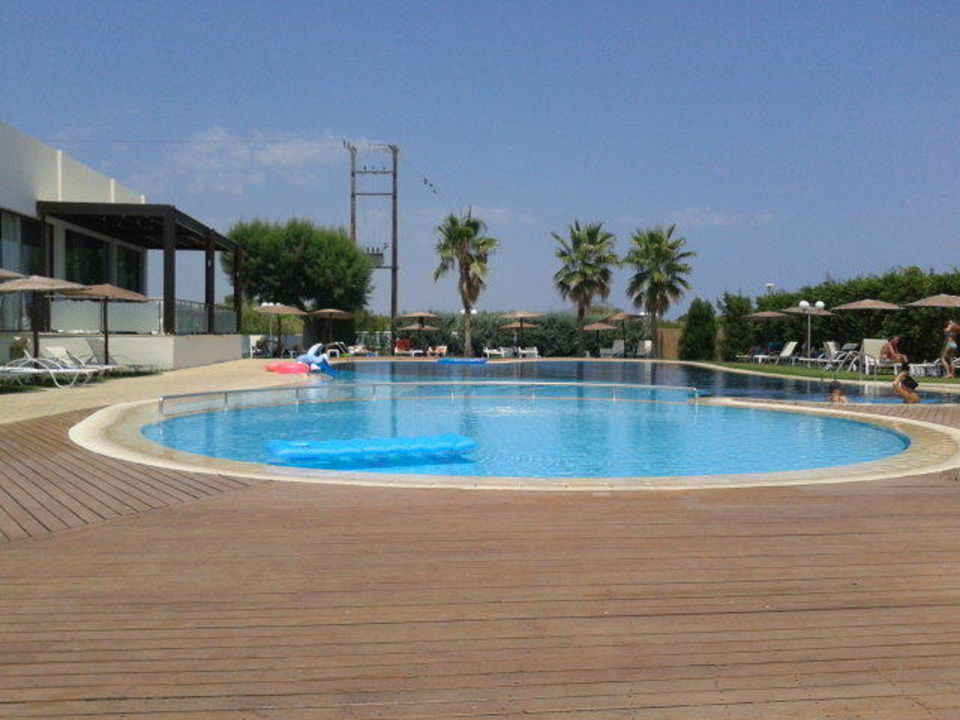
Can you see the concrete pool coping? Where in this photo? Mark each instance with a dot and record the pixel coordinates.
(115, 431)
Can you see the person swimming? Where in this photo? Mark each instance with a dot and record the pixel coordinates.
(905, 386)
(835, 393)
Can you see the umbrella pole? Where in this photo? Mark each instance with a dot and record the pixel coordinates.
(106, 332)
(35, 324)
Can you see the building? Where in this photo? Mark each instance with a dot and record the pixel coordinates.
(61, 218)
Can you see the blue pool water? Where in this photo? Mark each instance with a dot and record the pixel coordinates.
(710, 382)
(563, 431)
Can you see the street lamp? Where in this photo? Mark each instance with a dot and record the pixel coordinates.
(808, 311)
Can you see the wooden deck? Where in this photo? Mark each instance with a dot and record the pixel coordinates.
(129, 592)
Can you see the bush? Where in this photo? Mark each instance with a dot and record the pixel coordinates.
(698, 341)
(737, 332)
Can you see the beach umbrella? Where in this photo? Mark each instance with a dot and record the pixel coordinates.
(104, 293)
(279, 310)
(331, 314)
(418, 327)
(937, 301)
(38, 286)
(521, 317)
(767, 315)
(622, 318)
(420, 316)
(598, 327)
(868, 304)
(9, 275)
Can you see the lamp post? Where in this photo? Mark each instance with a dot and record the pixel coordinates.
(808, 311)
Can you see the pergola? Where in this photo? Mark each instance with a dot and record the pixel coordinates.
(153, 227)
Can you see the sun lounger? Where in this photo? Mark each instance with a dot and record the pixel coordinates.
(493, 352)
(529, 352)
(785, 353)
(616, 350)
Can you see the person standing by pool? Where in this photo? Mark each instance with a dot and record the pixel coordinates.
(905, 386)
(950, 331)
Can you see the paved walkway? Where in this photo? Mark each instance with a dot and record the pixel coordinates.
(299, 601)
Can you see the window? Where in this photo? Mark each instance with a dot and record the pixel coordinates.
(129, 267)
(87, 259)
(31, 247)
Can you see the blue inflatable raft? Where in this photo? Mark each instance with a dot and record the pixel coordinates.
(462, 361)
(371, 451)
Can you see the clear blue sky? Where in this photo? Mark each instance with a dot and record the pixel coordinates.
(787, 140)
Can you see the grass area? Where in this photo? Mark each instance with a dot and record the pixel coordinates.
(818, 372)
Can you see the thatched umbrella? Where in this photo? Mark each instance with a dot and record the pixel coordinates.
(521, 317)
(104, 293)
(767, 315)
(517, 326)
(279, 310)
(9, 275)
(622, 318)
(868, 304)
(38, 286)
(420, 316)
(418, 327)
(598, 327)
(331, 314)
(937, 301)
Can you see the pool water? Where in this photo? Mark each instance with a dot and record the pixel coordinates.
(708, 381)
(564, 431)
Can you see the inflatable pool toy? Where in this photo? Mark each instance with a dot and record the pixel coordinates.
(288, 367)
(272, 366)
(462, 361)
(371, 451)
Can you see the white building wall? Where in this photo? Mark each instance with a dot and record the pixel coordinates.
(31, 170)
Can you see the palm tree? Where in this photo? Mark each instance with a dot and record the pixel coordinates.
(587, 259)
(462, 244)
(660, 278)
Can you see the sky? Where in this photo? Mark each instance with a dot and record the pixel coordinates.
(787, 141)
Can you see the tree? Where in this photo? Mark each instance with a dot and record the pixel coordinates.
(660, 273)
(737, 333)
(587, 259)
(698, 340)
(301, 264)
(461, 243)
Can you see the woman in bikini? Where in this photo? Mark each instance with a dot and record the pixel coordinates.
(950, 332)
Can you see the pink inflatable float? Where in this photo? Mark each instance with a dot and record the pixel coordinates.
(288, 368)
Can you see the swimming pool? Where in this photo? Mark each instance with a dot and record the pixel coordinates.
(557, 429)
(709, 381)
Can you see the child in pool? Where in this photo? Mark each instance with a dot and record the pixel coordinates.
(835, 393)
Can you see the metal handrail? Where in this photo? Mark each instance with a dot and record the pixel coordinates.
(298, 394)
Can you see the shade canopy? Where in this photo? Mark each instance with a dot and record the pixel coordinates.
(108, 292)
(598, 326)
(868, 304)
(415, 326)
(623, 316)
(420, 314)
(279, 309)
(331, 314)
(39, 284)
(9, 274)
(812, 310)
(767, 315)
(937, 301)
(521, 315)
(516, 326)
